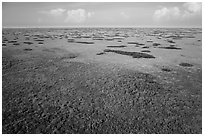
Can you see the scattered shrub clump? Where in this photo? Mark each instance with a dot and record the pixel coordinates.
(145, 47)
(145, 51)
(171, 47)
(185, 64)
(85, 42)
(28, 49)
(166, 69)
(133, 54)
(156, 44)
(120, 46)
(100, 53)
(132, 42)
(27, 42)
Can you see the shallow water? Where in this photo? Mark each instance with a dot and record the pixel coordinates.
(189, 39)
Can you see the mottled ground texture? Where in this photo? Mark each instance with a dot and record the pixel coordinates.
(48, 89)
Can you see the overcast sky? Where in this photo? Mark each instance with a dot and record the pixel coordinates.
(102, 14)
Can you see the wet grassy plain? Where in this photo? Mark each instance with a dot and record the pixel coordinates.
(91, 80)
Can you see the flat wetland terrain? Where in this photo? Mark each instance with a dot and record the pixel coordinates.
(102, 80)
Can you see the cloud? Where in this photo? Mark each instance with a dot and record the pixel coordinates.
(167, 13)
(90, 14)
(54, 12)
(187, 10)
(78, 15)
(124, 15)
(192, 9)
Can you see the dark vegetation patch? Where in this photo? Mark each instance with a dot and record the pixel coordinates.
(85, 42)
(100, 53)
(39, 40)
(177, 38)
(27, 49)
(166, 69)
(145, 47)
(171, 47)
(71, 40)
(185, 64)
(140, 44)
(72, 56)
(28, 43)
(133, 54)
(190, 36)
(156, 44)
(145, 51)
(132, 42)
(171, 41)
(109, 39)
(68, 56)
(120, 46)
(98, 38)
(5, 40)
(16, 43)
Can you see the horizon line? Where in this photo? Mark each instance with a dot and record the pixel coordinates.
(3, 27)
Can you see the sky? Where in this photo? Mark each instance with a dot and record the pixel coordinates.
(101, 14)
